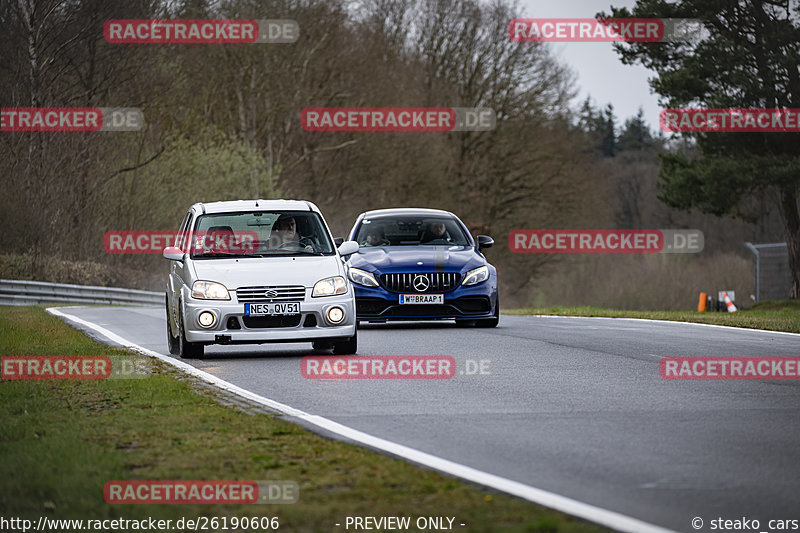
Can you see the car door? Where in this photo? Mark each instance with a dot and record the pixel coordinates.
(177, 270)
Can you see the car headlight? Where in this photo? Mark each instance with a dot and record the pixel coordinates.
(476, 275)
(362, 277)
(330, 286)
(210, 290)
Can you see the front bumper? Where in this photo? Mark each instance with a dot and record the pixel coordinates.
(477, 301)
(232, 327)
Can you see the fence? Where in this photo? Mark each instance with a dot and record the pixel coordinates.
(773, 278)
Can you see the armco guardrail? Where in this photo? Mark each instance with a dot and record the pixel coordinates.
(14, 292)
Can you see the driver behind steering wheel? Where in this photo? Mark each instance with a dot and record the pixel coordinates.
(435, 232)
(284, 235)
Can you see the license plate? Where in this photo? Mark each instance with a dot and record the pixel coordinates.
(287, 308)
(422, 298)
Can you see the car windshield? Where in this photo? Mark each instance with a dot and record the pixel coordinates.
(411, 231)
(260, 234)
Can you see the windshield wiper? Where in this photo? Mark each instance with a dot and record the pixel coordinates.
(220, 254)
(289, 253)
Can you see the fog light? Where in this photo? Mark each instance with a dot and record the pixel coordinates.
(206, 319)
(335, 314)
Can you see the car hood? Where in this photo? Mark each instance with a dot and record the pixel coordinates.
(257, 271)
(404, 258)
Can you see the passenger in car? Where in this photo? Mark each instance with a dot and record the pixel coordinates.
(218, 239)
(375, 237)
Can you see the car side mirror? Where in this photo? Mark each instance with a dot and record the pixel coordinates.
(348, 248)
(484, 241)
(338, 241)
(173, 254)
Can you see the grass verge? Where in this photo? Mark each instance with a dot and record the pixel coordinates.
(61, 440)
(781, 315)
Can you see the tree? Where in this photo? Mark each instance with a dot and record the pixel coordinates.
(54, 55)
(599, 126)
(747, 56)
(635, 134)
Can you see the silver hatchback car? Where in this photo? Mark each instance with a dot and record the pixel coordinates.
(258, 271)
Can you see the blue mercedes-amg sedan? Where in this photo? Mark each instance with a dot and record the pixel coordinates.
(421, 264)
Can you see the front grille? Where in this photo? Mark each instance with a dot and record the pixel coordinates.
(436, 281)
(255, 322)
(275, 293)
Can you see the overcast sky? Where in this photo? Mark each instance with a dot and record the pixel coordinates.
(600, 72)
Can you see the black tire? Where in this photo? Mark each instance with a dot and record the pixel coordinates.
(186, 349)
(172, 342)
(491, 322)
(348, 346)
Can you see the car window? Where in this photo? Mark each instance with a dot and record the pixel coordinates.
(259, 234)
(182, 230)
(410, 231)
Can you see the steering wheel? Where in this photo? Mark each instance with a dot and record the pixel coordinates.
(289, 245)
(294, 245)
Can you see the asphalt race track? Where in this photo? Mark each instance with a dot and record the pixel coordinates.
(573, 406)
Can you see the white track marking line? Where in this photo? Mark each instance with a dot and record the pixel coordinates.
(663, 322)
(612, 519)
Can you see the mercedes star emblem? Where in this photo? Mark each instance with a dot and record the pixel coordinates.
(421, 283)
